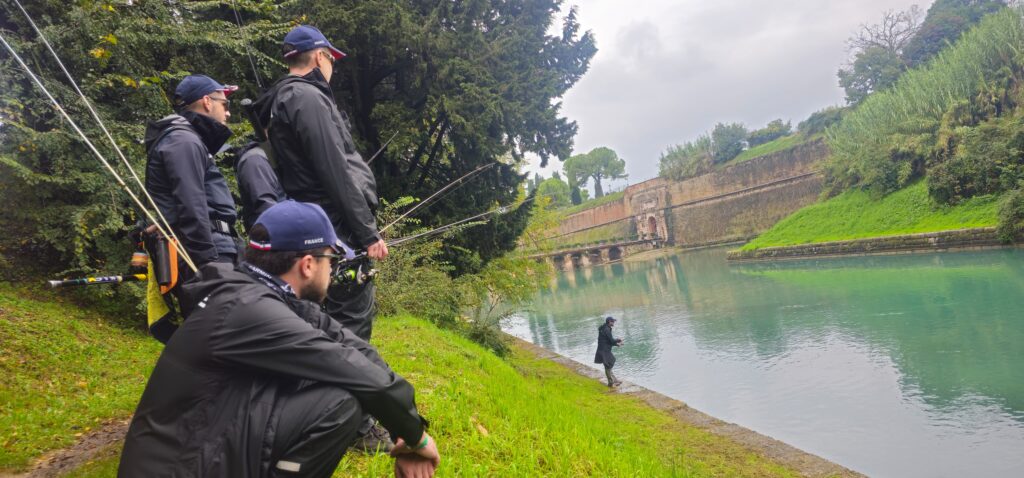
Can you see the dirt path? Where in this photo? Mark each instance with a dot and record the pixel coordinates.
(98, 443)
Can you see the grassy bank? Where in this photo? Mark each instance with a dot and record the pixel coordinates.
(779, 144)
(63, 371)
(521, 416)
(854, 214)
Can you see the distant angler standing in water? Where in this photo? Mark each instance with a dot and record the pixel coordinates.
(605, 342)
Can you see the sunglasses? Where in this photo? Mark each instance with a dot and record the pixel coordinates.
(223, 101)
(335, 258)
(329, 56)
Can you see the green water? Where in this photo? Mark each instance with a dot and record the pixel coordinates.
(890, 365)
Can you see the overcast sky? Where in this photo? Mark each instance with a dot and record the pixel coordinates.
(668, 70)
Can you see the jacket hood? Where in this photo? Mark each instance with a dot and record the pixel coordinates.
(263, 105)
(211, 132)
(154, 128)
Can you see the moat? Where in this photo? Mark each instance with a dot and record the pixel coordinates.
(889, 365)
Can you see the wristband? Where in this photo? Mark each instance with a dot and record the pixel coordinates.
(423, 444)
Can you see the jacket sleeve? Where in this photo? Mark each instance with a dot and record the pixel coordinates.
(258, 179)
(324, 144)
(272, 339)
(185, 165)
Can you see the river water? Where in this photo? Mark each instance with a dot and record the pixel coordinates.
(890, 365)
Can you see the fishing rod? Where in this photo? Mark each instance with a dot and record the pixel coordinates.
(438, 230)
(164, 228)
(382, 148)
(85, 138)
(98, 280)
(459, 181)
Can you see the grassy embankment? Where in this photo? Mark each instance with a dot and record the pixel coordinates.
(65, 370)
(774, 146)
(854, 214)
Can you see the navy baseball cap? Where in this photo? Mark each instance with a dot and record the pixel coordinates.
(194, 87)
(609, 319)
(297, 226)
(304, 38)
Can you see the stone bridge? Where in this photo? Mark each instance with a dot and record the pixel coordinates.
(593, 254)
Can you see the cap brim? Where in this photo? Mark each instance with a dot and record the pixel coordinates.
(336, 53)
(228, 89)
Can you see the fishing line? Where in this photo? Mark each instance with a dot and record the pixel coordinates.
(438, 230)
(440, 192)
(91, 146)
(248, 47)
(161, 226)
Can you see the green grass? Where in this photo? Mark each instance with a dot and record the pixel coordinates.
(854, 215)
(521, 416)
(63, 370)
(607, 198)
(779, 144)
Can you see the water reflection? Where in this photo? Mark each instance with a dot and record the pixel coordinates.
(894, 366)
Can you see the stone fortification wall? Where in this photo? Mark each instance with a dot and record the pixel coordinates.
(733, 203)
(800, 160)
(743, 215)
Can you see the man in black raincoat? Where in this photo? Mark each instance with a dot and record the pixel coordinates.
(186, 184)
(604, 355)
(259, 382)
(317, 162)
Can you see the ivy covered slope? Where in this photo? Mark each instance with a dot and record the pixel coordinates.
(65, 371)
(941, 149)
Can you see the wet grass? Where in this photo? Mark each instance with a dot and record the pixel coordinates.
(63, 371)
(779, 144)
(854, 214)
(520, 416)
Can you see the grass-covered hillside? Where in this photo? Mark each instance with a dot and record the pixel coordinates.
(854, 214)
(65, 370)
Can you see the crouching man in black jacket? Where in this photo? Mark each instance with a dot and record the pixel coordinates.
(259, 382)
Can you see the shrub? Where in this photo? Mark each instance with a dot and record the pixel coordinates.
(774, 130)
(1011, 217)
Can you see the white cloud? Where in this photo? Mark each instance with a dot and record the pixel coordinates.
(666, 71)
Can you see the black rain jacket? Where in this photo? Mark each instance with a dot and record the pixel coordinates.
(209, 405)
(258, 185)
(186, 184)
(605, 342)
(316, 157)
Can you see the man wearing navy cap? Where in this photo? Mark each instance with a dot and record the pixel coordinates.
(183, 180)
(317, 162)
(259, 381)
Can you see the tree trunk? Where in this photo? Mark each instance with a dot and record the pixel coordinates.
(598, 192)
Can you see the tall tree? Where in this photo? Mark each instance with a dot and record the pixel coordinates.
(877, 51)
(600, 163)
(555, 189)
(728, 141)
(945, 21)
(462, 84)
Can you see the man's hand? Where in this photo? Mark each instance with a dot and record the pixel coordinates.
(377, 250)
(410, 463)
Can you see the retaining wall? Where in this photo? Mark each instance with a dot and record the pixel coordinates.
(961, 239)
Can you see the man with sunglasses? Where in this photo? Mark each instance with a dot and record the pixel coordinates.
(317, 162)
(259, 381)
(184, 181)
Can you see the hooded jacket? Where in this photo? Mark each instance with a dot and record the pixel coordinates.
(186, 185)
(258, 185)
(208, 408)
(316, 157)
(605, 342)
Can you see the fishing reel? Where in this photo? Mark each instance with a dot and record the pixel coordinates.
(355, 271)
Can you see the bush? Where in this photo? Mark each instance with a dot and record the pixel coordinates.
(987, 159)
(820, 120)
(774, 130)
(1011, 217)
